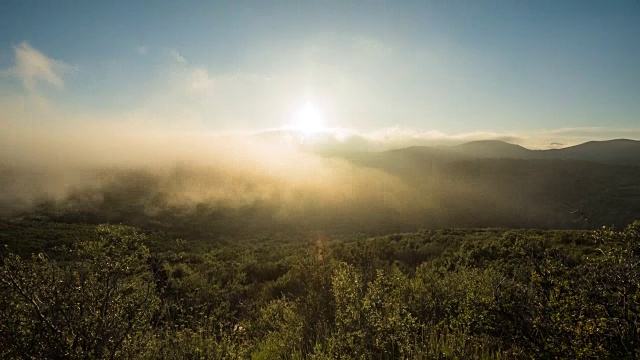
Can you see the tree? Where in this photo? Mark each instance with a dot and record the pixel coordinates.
(99, 306)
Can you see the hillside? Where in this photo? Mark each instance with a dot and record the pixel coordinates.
(614, 152)
(492, 149)
(493, 183)
(433, 294)
(619, 152)
(478, 184)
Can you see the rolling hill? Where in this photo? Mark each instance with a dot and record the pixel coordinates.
(615, 152)
(477, 184)
(494, 183)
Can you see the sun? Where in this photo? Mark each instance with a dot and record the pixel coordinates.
(308, 119)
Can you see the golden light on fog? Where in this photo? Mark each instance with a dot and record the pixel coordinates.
(308, 119)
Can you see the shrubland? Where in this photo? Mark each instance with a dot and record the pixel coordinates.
(112, 291)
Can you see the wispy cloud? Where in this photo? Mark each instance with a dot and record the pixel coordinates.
(598, 131)
(337, 139)
(542, 139)
(176, 56)
(32, 66)
(398, 136)
(196, 78)
(199, 79)
(142, 50)
(194, 97)
(562, 137)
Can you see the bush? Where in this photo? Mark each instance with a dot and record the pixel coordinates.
(98, 306)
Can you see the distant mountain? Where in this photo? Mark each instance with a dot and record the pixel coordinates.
(618, 152)
(477, 184)
(614, 152)
(356, 149)
(494, 183)
(493, 149)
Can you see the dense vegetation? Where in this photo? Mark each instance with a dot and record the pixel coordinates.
(118, 292)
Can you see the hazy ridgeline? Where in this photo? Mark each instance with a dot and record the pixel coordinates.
(232, 184)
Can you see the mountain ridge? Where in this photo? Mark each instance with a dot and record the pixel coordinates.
(615, 151)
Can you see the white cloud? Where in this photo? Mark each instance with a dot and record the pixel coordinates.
(142, 50)
(189, 78)
(597, 131)
(200, 79)
(563, 137)
(32, 66)
(396, 138)
(177, 57)
(541, 139)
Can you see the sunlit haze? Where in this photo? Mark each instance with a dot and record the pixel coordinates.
(409, 72)
(308, 119)
(319, 179)
(305, 111)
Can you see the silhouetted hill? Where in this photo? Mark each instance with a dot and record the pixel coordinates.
(619, 152)
(494, 183)
(493, 149)
(615, 152)
(478, 184)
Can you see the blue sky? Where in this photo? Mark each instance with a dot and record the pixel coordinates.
(404, 68)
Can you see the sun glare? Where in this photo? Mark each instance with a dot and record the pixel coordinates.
(308, 119)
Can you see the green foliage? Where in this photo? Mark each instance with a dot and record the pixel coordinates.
(348, 292)
(280, 326)
(99, 306)
(446, 294)
(390, 324)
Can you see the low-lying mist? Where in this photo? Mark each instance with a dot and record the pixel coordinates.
(211, 185)
(218, 183)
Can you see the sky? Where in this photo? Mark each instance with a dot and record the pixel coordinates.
(402, 72)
